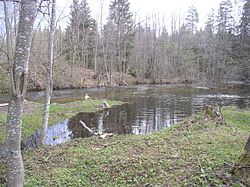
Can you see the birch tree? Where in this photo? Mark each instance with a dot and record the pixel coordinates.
(19, 68)
(49, 78)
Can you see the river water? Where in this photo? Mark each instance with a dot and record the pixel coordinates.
(149, 108)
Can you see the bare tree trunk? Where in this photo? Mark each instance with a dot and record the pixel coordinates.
(15, 170)
(49, 81)
(96, 49)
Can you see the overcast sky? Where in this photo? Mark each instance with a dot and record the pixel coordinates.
(165, 8)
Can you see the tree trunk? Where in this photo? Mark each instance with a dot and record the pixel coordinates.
(10, 51)
(49, 81)
(15, 170)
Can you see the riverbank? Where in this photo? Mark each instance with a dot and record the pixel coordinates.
(33, 111)
(195, 152)
(85, 78)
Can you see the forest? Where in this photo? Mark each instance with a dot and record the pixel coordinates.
(140, 50)
(185, 123)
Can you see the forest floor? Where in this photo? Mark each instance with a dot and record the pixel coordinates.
(195, 152)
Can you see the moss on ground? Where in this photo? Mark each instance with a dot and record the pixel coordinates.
(194, 152)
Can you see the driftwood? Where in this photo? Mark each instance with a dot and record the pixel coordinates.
(106, 135)
(7, 104)
(4, 104)
(102, 136)
(86, 127)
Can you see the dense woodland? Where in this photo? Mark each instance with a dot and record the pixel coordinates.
(144, 48)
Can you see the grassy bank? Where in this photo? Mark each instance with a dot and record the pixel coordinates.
(58, 112)
(195, 152)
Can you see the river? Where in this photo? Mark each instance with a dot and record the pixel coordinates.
(149, 109)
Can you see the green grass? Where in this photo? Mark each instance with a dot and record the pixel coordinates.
(239, 117)
(32, 117)
(194, 152)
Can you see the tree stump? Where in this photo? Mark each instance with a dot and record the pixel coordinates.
(213, 112)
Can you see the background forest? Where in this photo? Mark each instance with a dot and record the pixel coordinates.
(139, 50)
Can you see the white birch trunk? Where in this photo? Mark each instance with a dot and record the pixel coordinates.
(15, 170)
(49, 80)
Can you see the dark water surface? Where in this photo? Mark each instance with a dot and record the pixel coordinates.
(150, 108)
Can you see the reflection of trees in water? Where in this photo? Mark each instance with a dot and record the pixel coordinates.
(31, 142)
(115, 120)
(118, 120)
(155, 113)
(90, 119)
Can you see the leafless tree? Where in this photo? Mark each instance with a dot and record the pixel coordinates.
(19, 68)
(49, 78)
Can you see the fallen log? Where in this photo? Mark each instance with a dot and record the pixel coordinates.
(4, 104)
(86, 127)
(102, 136)
(106, 135)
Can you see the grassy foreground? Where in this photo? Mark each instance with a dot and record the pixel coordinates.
(195, 152)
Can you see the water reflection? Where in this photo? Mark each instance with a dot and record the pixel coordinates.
(151, 109)
(56, 134)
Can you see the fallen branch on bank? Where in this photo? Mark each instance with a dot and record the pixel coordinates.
(102, 136)
(86, 127)
(4, 104)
